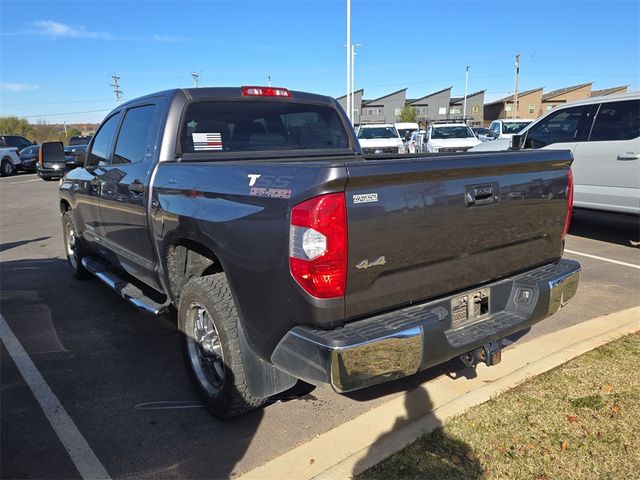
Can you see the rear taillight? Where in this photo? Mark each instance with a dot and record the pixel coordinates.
(40, 159)
(265, 92)
(318, 245)
(567, 220)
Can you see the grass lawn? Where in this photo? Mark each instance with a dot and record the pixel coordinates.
(578, 421)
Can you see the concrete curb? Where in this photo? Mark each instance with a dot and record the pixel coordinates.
(370, 438)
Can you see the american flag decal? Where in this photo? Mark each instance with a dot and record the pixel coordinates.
(207, 141)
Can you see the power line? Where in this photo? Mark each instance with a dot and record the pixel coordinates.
(116, 87)
(65, 113)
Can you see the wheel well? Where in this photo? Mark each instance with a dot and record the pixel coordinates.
(187, 259)
(64, 206)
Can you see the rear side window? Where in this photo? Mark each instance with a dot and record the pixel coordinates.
(561, 126)
(617, 121)
(245, 126)
(101, 144)
(136, 140)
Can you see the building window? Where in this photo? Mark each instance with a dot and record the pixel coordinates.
(476, 109)
(356, 111)
(550, 107)
(442, 110)
(508, 107)
(532, 107)
(398, 112)
(456, 110)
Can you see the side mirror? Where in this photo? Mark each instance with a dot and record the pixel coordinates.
(51, 152)
(516, 141)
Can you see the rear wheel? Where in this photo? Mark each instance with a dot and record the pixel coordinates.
(6, 168)
(208, 320)
(73, 247)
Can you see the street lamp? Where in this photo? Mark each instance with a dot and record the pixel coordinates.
(353, 86)
(348, 59)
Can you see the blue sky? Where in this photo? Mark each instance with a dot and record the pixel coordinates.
(56, 57)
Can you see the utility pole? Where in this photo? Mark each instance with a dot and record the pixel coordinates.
(196, 79)
(464, 104)
(515, 89)
(269, 79)
(116, 87)
(353, 85)
(65, 128)
(348, 59)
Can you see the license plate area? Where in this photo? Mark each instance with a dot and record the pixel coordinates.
(469, 308)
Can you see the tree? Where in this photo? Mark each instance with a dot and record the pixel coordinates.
(408, 114)
(73, 132)
(13, 125)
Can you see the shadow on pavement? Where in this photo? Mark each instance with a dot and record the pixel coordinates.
(436, 455)
(10, 245)
(102, 358)
(618, 228)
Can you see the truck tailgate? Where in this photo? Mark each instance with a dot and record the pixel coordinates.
(429, 226)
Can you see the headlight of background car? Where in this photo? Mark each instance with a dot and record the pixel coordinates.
(435, 149)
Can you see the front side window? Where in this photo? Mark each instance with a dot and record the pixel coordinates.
(495, 128)
(102, 142)
(617, 121)
(257, 125)
(558, 127)
(136, 140)
(513, 127)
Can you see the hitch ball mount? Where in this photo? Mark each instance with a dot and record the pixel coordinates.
(490, 354)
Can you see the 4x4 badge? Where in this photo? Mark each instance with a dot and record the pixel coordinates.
(364, 264)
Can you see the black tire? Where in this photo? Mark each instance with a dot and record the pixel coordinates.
(6, 168)
(219, 380)
(73, 247)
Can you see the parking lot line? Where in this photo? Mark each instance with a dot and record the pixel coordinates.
(79, 450)
(25, 181)
(595, 257)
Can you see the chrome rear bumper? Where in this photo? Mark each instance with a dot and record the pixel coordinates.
(397, 344)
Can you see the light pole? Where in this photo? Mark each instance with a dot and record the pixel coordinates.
(348, 59)
(515, 89)
(464, 104)
(353, 84)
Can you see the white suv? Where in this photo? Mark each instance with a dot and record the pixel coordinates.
(380, 138)
(450, 137)
(603, 133)
(507, 128)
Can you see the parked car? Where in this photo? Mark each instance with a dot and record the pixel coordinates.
(9, 161)
(74, 156)
(482, 133)
(17, 141)
(289, 255)
(51, 162)
(80, 140)
(603, 133)
(405, 129)
(379, 138)
(29, 158)
(416, 142)
(505, 129)
(450, 137)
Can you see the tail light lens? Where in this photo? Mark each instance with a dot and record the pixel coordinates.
(318, 245)
(567, 220)
(40, 159)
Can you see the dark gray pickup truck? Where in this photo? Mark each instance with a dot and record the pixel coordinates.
(289, 255)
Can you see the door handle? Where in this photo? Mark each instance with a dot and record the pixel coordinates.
(628, 156)
(475, 195)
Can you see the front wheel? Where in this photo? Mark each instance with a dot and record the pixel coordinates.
(208, 320)
(73, 247)
(6, 168)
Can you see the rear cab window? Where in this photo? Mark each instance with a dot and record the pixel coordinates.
(221, 127)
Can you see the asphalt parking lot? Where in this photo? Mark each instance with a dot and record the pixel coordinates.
(119, 373)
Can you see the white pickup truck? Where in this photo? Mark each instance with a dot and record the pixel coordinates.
(379, 138)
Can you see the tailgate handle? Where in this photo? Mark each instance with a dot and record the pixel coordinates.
(475, 195)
